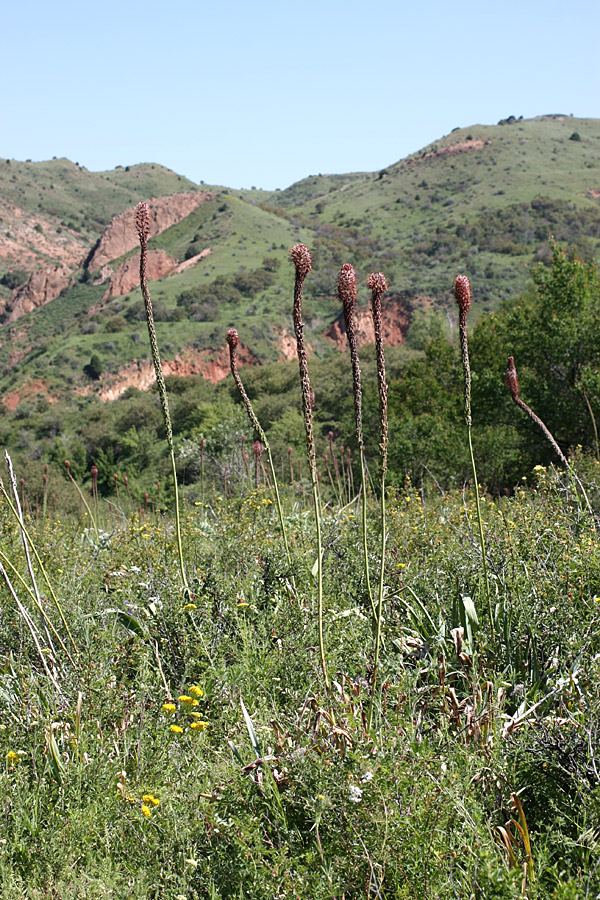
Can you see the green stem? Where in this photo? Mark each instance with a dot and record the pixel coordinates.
(380, 595)
(363, 481)
(143, 227)
(481, 537)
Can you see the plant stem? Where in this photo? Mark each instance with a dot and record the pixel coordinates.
(462, 292)
(143, 229)
(302, 260)
(347, 290)
(378, 286)
(233, 340)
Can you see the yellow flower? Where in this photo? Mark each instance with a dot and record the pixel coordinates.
(199, 726)
(196, 691)
(12, 757)
(189, 606)
(146, 811)
(185, 699)
(150, 798)
(196, 715)
(177, 729)
(169, 707)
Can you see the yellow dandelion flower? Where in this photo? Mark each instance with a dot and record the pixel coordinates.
(196, 690)
(176, 729)
(169, 707)
(146, 811)
(185, 699)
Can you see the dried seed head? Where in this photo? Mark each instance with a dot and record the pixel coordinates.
(300, 256)
(377, 283)
(257, 449)
(94, 471)
(68, 465)
(462, 292)
(142, 222)
(511, 380)
(232, 338)
(347, 287)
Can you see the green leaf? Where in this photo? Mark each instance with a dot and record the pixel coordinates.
(252, 733)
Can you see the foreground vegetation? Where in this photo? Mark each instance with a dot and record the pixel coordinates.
(191, 750)
(317, 690)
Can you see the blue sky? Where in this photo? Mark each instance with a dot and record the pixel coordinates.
(266, 93)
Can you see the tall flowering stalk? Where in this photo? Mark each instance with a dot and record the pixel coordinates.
(462, 294)
(347, 288)
(233, 339)
(512, 382)
(378, 286)
(142, 222)
(302, 260)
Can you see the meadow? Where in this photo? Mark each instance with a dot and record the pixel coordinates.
(305, 679)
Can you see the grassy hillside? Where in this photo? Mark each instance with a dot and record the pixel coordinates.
(481, 200)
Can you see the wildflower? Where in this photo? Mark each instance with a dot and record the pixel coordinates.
(196, 690)
(169, 707)
(511, 379)
(185, 699)
(302, 260)
(176, 729)
(355, 793)
(146, 811)
(189, 606)
(12, 757)
(150, 798)
(462, 293)
(199, 726)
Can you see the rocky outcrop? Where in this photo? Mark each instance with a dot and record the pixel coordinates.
(192, 261)
(39, 289)
(452, 150)
(210, 364)
(396, 315)
(120, 236)
(127, 276)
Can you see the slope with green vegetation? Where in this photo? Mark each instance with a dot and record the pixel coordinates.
(481, 200)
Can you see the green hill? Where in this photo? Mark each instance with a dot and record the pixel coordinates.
(481, 200)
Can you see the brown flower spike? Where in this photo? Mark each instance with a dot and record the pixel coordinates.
(512, 383)
(511, 380)
(462, 293)
(378, 286)
(302, 260)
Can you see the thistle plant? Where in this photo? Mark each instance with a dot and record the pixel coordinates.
(378, 286)
(233, 340)
(302, 260)
(462, 294)
(347, 289)
(142, 222)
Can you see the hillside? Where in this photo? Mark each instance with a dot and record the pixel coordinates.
(480, 200)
